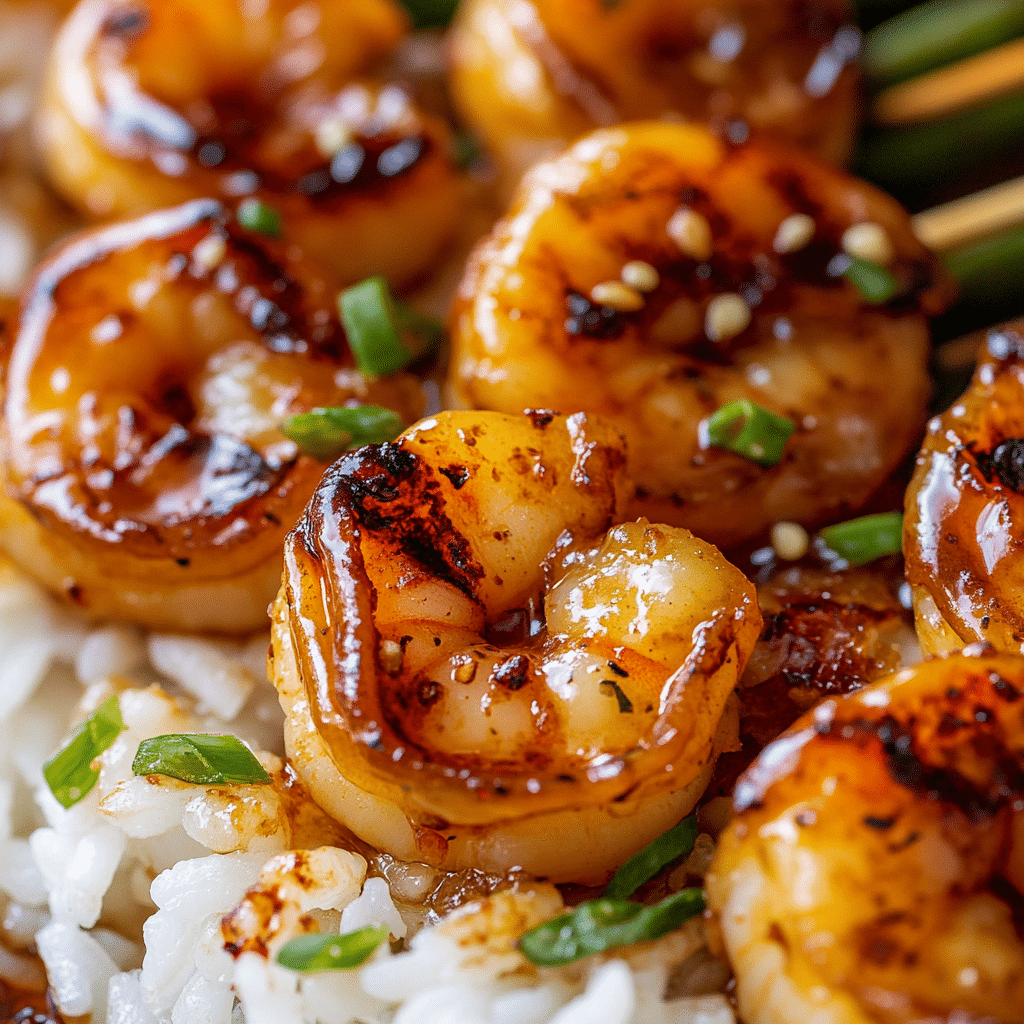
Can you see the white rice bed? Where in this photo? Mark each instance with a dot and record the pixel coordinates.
(126, 897)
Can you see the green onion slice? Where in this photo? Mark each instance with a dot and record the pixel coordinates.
(750, 431)
(604, 924)
(384, 334)
(642, 867)
(937, 33)
(254, 215)
(309, 954)
(69, 773)
(199, 758)
(863, 540)
(875, 283)
(326, 433)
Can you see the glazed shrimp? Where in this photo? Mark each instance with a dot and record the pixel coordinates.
(533, 75)
(963, 538)
(732, 251)
(146, 376)
(480, 669)
(875, 869)
(150, 104)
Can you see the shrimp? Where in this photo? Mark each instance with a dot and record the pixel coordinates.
(964, 510)
(733, 252)
(875, 869)
(147, 373)
(533, 75)
(147, 105)
(480, 669)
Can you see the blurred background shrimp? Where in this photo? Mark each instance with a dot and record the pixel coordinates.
(657, 275)
(875, 869)
(150, 104)
(531, 76)
(826, 632)
(147, 373)
(963, 532)
(479, 669)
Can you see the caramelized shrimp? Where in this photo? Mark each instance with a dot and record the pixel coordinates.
(875, 869)
(480, 669)
(150, 104)
(964, 525)
(737, 256)
(146, 376)
(533, 75)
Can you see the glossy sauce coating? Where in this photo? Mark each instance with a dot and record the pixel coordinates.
(150, 104)
(146, 377)
(527, 329)
(963, 533)
(533, 76)
(875, 869)
(499, 674)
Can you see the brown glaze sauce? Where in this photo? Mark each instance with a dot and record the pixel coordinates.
(225, 138)
(771, 283)
(965, 504)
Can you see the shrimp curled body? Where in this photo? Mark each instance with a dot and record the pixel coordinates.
(875, 869)
(739, 295)
(148, 371)
(963, 532)
(533, 76)
(480, 669)
(149, 104)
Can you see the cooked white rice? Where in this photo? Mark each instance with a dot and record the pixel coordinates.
(122, 897)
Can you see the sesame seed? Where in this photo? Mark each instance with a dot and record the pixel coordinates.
(618, 296)
(727, 316)
(692, 233)
(210, 252)
(465, 671)
(790, 541)
(391, 657)
(794, 233)
(640, 275)
(869, 241)
(678, 324)
(331, 136)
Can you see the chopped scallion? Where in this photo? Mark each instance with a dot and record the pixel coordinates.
(199, 758)
(69, 773)
(602, 924)
(937, 33)
(326, 433)
(751, 431)
(875, 283)
(384, 334)
(254, 215)
(310, 954)
(862, 540)
(642, 867)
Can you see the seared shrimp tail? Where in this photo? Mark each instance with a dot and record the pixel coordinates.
(875, 868)
(475, 659)
(146, 378)
(658, 276)
(149, 104)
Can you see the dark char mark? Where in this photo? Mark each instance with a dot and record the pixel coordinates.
(394, 493)
(1005, 464)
